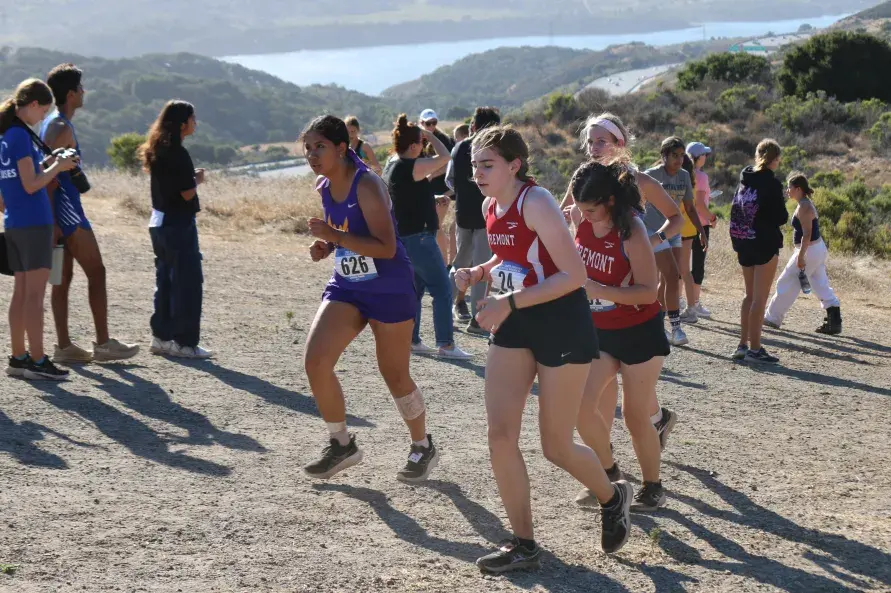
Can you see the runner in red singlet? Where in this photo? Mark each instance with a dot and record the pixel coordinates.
(603, 137)
(622, 285)
(540, 323)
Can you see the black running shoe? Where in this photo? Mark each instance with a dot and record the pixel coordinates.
(45, 370)
(335, 458)
(509, 556)
(665, 426)
(614, 473)
(649, 498)
(474, 328)
(421, 461)
(616, 519)
(460, 311)
(761, 357)
(17, 367)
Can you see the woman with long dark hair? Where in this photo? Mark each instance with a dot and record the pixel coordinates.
(176, 322)
(28, 223)
(622, 287)
(372, 285)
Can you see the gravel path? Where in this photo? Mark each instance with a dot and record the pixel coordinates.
(164, 476)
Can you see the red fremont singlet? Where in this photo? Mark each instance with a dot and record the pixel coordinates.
(524, 260)
(605, 262)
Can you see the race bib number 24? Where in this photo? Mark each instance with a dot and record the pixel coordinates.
(507, 277)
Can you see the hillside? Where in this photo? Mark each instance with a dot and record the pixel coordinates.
(235, 105)
(509, 77)
(110, 28)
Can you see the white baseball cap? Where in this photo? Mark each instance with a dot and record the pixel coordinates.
(697, 149)
(428, 114)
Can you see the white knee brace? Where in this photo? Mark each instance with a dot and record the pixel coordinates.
(411, 406)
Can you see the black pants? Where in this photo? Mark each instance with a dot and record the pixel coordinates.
(179, 283)
(698, 266)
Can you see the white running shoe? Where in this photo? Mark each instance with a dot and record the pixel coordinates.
(678, 337)
(689, 315)
(189, 352)
(160, 346)
(701, 311)
(114, 350)
(453, 352)
(682, 303)
(73, 353)
(422, 348)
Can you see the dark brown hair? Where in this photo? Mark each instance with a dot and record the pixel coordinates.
(26, 93)
(405, 133)
(63, 79)
(166, 131)
(508, 143)
(595, 183)
(799, 180)
(352, 120)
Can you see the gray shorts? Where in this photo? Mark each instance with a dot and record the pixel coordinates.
(30, 248)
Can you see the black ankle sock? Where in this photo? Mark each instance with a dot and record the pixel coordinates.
(616, 499)
(529, 544)
(656, 483)
(614, 468)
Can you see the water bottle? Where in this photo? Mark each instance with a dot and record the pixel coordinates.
(805, 283)
(58, 261)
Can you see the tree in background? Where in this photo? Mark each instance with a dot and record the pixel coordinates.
(847, 66)
(733, 68)
(123, 152)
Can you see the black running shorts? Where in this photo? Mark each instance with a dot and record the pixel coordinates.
(557, 332)
(636, 344)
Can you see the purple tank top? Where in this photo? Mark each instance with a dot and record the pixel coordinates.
(358, 272)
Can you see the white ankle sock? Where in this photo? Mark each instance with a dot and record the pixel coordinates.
(338, 430)
(657, 417)
(425, 442)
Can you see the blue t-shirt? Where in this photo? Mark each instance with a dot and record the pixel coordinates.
(22, 209)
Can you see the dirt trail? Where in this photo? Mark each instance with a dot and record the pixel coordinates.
(164, 476)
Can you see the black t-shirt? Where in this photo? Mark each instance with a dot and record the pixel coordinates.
(468, 197)
(413, 203)
(173, 173)
(438, 183)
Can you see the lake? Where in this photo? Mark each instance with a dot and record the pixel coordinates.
(373, 69)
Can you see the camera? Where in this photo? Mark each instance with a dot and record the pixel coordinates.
(78, 178)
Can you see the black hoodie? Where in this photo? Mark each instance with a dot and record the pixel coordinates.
(758, 211)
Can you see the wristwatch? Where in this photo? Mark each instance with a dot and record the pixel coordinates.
(662, 235)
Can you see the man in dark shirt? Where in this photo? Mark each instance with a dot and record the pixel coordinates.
(429, 120)
(473, 245)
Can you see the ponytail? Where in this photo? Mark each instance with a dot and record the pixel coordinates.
(27, 92)
(7, 114)
(405, 133)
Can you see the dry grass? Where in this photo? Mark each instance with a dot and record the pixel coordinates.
(227, 203)
(232, 205)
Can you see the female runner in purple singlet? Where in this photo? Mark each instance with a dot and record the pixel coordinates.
(372, 284)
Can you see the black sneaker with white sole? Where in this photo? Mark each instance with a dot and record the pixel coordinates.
(510, 555)
(616, 519)
(649, 498)
(335, 458)
(474, 328)
(421, 461)
(460, 311)
(761, 356)
(17, 366)
(44, 370)
(740, 352)
(665, 426)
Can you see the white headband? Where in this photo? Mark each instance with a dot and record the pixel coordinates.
(611, 128)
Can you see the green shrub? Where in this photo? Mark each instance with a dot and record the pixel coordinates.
(562, 109)
(733, 68)
(803, 116)
(880, 133)
(828, 179)
(845, 65)
(123, 152)
(738, 102)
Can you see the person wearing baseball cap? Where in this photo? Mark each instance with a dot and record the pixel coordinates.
(429, 120)
(698, 153)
